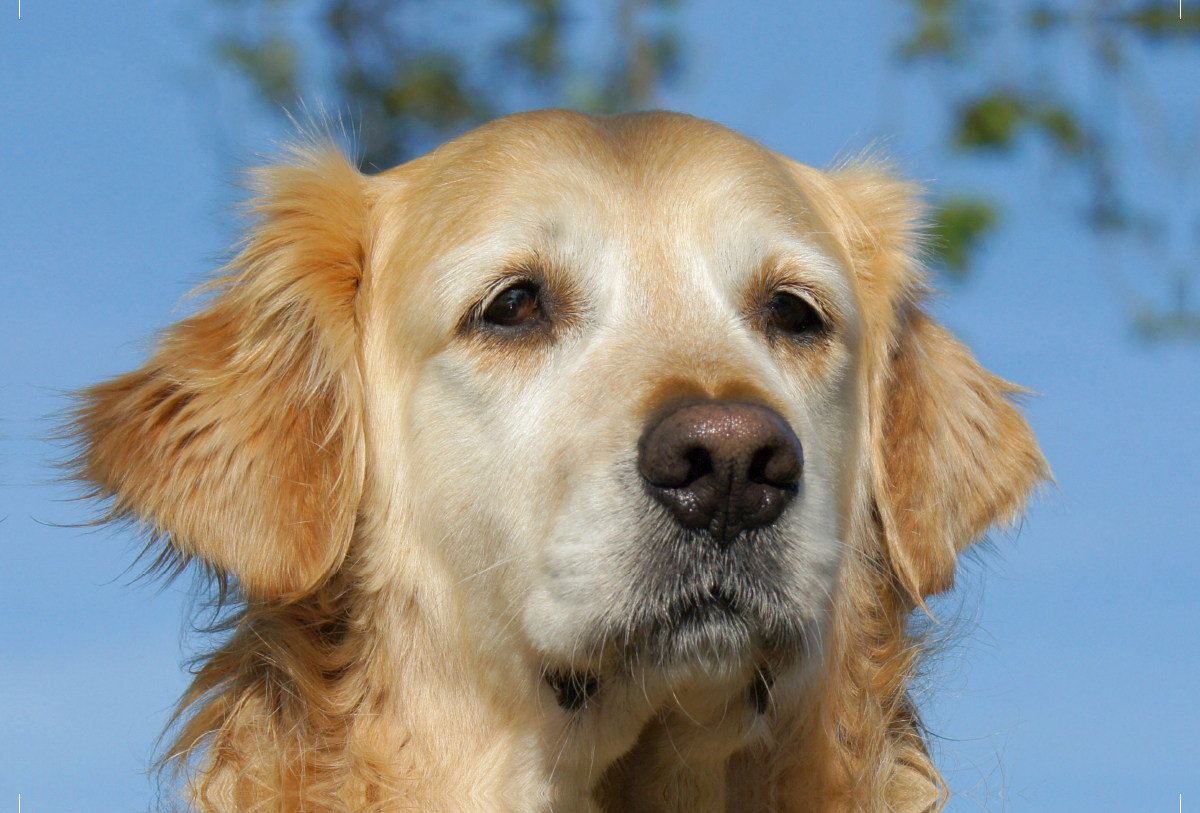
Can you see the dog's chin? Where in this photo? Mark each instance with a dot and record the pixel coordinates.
(709, 632)
(706, 641)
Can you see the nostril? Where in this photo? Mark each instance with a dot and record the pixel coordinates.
(776, 465)
(700, 463)
(668, 468)
(757, 472)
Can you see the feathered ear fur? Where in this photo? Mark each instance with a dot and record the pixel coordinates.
(951, 454)
(239, 441)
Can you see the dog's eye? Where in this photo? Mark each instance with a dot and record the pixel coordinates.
(791, 314)
(515, 305)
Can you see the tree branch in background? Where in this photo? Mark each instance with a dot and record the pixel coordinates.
(1005, 106)
(414, 72)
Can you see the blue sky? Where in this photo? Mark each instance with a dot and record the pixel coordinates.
(1073, 687)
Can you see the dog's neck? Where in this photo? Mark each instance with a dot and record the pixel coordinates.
(647, 742)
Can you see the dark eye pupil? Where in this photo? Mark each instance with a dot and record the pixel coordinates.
(793, 315)
(514, 306)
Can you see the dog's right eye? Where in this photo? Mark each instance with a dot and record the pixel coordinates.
(516, 305)
(794, 316)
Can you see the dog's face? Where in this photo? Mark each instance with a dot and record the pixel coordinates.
(632, 417)
(572, 405)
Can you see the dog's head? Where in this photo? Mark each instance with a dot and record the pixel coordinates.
(635, 392)
(621, 393)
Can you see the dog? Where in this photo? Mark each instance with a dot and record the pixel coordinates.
(583, 464)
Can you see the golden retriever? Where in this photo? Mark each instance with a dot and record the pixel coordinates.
(584, 464)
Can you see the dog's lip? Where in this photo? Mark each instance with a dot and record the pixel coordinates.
(573, 688)
(713, 600)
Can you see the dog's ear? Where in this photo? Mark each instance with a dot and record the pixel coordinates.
(951, 453)
(239, 441)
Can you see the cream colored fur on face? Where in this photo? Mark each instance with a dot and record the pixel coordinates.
(423, 517)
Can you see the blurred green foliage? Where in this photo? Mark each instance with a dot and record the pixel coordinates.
(937, 32)
(994, 121)
(271, 62)
(1154, 20)
(997, 112)
(959, 226)
(412, 72)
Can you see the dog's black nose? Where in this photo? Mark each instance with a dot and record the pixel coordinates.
(722, 466)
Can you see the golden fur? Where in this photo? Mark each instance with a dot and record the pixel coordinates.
(300, 437)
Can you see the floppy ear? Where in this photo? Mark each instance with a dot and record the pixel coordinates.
(951, 453)
(239, 441)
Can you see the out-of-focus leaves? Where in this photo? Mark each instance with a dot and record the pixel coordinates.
(668, 54)
(990, 123)
(651, 55)
(1044, 18)
(994, 122)
(938, 33)
(537, 50)
(1154, 21)
(548, 8)
(270, 65)
(1064, 130)
(406, 88)
(432, 90)
(1162, 20)
(1157, 326)
(343, 19)
(958, 227)
(1108, 216)
(1114, 33)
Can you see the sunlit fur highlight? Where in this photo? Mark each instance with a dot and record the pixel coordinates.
(240, 444)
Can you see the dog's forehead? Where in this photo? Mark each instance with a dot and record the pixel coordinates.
(540, 169)
(653, 193)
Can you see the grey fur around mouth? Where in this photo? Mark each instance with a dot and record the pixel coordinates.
(717, 629)
(695, 601)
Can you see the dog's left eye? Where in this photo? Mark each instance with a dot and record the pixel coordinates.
(515, 305)
(791, 314)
